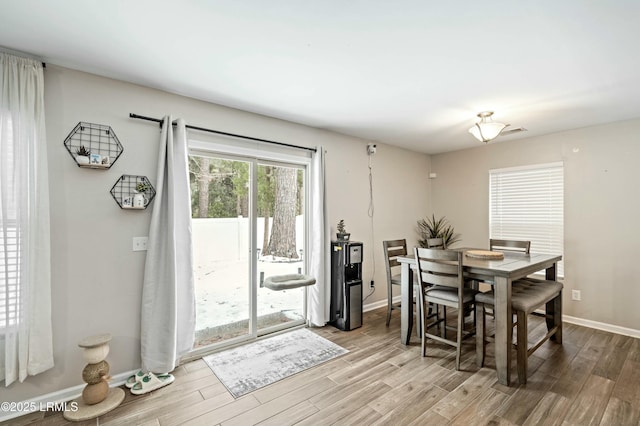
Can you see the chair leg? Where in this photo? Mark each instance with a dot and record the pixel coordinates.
(459, 335)
(522, 341)
(389, 302)
(444, 323)
(423, 337)
(480, 331)
(419, 308)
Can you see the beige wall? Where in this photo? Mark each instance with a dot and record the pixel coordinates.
(97, 278)
(602, 230)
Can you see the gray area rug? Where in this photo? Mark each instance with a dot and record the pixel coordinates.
(258, 364)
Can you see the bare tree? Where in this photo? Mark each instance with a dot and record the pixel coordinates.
(266, 190)
(283, 234)
(203, 187)
(200, 177)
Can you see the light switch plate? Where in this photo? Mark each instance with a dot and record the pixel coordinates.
(140, 243)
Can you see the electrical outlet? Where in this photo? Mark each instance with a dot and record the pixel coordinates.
(371, 284)
(575, 295)
(140, 243)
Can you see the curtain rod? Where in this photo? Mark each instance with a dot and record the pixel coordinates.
(22, 55)
(202, 129)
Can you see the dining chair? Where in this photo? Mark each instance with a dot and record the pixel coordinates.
(441, 282)
(392, 250)
(436, 243)
(527, 295)
(510, 245)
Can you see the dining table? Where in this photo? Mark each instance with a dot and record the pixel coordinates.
(497, 272)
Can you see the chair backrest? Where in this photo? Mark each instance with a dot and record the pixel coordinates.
(392, 250)
(439, 267)
(436, 243)
(510, 245)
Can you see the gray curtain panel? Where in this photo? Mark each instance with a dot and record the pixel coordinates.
(168, 301)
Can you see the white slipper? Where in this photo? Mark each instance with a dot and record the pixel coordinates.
(132, 380)
(151, 382)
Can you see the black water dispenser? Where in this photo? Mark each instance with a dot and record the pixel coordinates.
(346, 285)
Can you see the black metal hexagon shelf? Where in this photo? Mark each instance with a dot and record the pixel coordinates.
(133, 192)
(101, 146)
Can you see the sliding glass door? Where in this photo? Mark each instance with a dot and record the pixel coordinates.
(248, 224)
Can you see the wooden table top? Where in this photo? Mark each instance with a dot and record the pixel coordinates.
(511, 264)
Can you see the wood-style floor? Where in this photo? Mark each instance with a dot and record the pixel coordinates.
(592, 379)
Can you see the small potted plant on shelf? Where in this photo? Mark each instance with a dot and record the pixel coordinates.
(142, 187)
(139, 199)
(342, 234)
(82, 155)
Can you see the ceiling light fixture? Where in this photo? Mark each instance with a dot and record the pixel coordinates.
(487, 129)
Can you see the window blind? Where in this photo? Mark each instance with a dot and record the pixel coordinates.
(9, 277)
(527, 203)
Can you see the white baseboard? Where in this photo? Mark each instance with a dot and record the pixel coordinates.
(57, 397)
(379, 304)
(566, 318)
(602, 326)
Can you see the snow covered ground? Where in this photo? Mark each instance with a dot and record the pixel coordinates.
(222, 292)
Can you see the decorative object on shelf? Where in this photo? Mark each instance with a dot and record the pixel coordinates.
(139, 199)
(133, 192)
(82, 155)
(436, 228)
(142, 187)
(97, 398)
(98, 143)
(342, 234)
(95, 159)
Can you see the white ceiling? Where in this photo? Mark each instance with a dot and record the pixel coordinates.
(406, 73)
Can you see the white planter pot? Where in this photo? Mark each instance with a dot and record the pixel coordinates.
(82, 159)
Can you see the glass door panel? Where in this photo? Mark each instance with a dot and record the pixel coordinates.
(221, 247)
(280, 232)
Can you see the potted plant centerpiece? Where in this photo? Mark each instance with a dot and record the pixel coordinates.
(342, 234)
(82, 155)
(436, 228)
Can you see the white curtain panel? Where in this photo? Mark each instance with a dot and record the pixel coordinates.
(168, 299)
(26, 346)
(320, 293)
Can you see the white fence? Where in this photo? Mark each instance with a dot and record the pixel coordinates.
(228, 238)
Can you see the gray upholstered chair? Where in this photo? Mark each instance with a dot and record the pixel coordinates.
(527, 295)
(441, 282)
